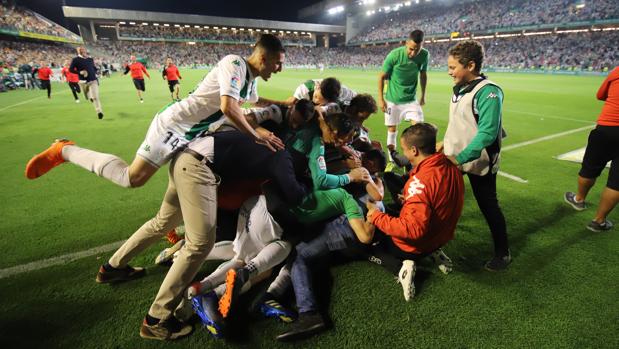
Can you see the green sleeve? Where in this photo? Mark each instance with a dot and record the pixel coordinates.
(318, 168)
(389, 63)
(351, 207)
(489, 101)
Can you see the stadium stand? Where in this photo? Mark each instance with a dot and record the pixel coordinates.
(441, 18)
(16, 21)
(589, 49)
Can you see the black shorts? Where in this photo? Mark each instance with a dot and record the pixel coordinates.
(171, 84)
(45, 84)
(602, 147)
(139, 84)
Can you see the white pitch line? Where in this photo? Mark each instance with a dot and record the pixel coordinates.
(509, 110)
(512, 177)
(545, 138)
(30, 100)
(20, 103)
(36, 265)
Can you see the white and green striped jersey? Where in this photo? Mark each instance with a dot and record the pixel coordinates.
(192, 115)
(306, 91)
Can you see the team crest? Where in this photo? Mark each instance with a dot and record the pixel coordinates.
(236, 62)
(415, 187)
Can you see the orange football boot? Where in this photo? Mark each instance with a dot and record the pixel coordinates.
(46, 160)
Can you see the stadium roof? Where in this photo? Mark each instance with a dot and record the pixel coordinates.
(87, 14)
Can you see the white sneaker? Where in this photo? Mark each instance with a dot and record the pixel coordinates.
(77, 101)
(444, 263)
(406, 278)
(141, 101)
(168, 254)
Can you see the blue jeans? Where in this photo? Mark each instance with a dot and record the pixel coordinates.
(337, 235)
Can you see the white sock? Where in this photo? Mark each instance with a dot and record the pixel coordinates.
(282, 282)
(103, 165)
(218, 277)
(271, 255)
(391, 138)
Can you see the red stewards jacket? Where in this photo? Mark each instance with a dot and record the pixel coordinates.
(433, 200)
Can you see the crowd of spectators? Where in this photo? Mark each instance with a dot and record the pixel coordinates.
(580, 51)
(575, 51)
(440, 18)
(19, 19)
(15, 53)
(197, 33)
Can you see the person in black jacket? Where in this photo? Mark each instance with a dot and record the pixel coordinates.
(84, 66)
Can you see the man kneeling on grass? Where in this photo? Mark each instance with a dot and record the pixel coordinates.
(433, 199)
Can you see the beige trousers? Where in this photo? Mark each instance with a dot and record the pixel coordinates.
(91, 90)
(191, 197)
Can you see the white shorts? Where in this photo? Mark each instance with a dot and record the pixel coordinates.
(161, 142)
(398, 112)
(255, 229)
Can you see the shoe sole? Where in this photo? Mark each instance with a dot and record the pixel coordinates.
(572, 204)
(225, 302)
(149, 335)
(412, 283)
(214, 329)
(297, 336)
(598, 230)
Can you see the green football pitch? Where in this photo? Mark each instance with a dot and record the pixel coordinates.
(561, 290)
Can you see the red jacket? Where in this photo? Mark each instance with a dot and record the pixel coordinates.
(609, 92)
(69, 76)
(433, 200)
(171, 73)
(137, 69)
(44, 73)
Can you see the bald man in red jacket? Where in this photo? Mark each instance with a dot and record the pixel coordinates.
(432, 201)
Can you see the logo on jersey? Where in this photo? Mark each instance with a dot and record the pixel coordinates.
(146, 147)
(492, 95)
(321, 163)
(415, 187)
(234, 82)
(236, 62)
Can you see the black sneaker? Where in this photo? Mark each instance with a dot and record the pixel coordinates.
(165, 330)
(106, 276)
(599, 227)
(100, 115)
(307, 325)
(570, 198)
(498, 263)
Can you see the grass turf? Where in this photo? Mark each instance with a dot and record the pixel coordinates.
(561, 290)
